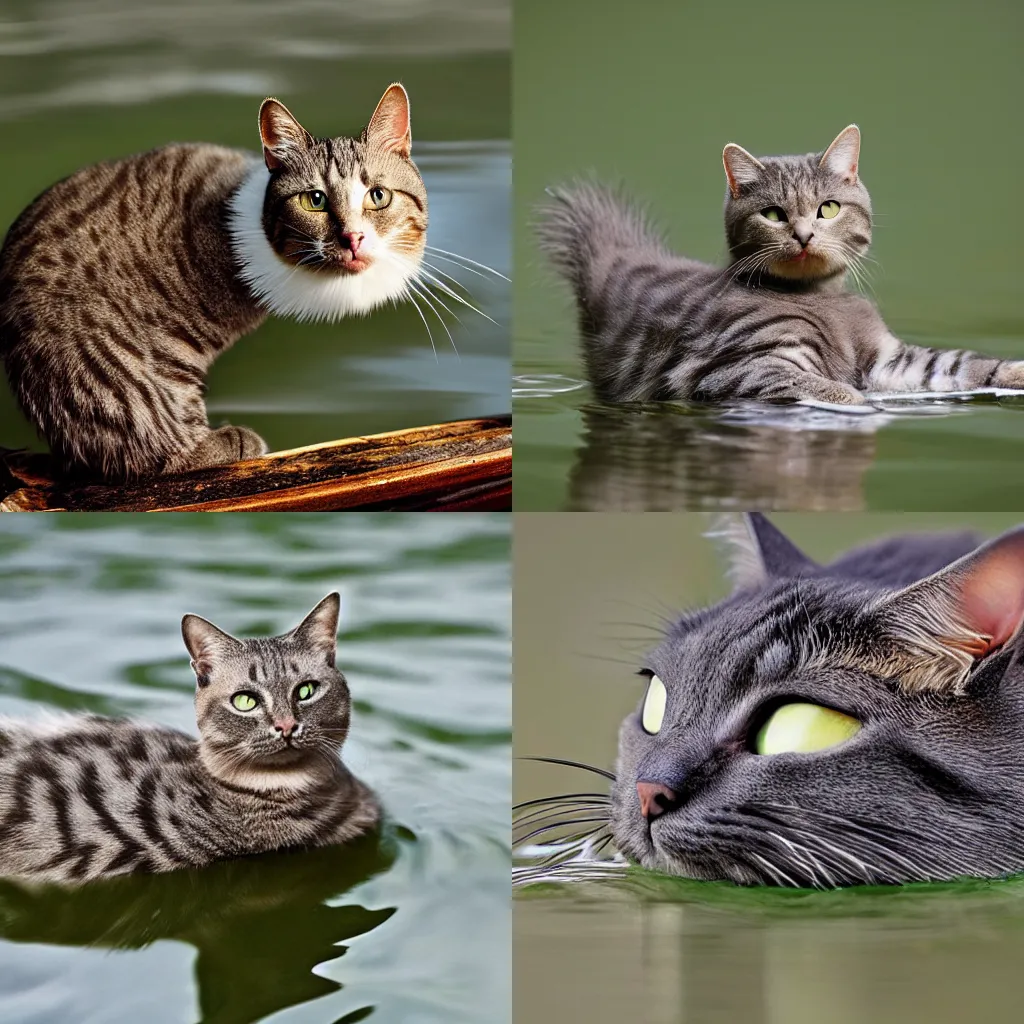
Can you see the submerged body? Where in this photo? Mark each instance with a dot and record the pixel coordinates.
(120, 285)
(860, 722)
(775, 325)
(93, 797)
(85, 797)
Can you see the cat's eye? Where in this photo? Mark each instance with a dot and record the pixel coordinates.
(774, 214)
(653, 713)
(313, 202)
(305, 690)
(828, 209)
(244, 701)
(377, 198)
(804, 728)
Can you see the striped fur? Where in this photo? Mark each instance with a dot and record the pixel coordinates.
(775, 325)
(120, 285)
(85, 797)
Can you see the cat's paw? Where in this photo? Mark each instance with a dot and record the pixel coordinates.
(227, 444)
(1010, 375)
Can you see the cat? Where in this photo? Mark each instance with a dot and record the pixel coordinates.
(776, 324)
(860, 722)
(120, 285)
(85, 797)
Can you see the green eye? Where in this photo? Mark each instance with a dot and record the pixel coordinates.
(774, 213)
(244, 701)
(305, 691)
(313, 202)
(828, 209)
(377, 198)
(804, 728)
(654, 706)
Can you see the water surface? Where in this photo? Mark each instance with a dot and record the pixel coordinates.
(413, 929)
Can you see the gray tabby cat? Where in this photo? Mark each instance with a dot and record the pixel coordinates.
(776, 324)
(859, 722)
(84, 797)
(120, 285)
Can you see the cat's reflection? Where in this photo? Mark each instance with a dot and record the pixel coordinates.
(260, 925)
(644, 459)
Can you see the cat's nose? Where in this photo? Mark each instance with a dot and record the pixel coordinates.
(352, 240)
(803, 235)
(655, 799)
(286, 726)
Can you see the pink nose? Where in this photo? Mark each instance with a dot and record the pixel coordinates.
(655, 799)
(286, 726)
(352, 240)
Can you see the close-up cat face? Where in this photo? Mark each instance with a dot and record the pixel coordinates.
(269, 703)
(345, 218)
(801, 218)
(820, 729)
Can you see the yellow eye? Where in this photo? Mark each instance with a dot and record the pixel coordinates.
(653, 713)
(774, 213)
(244, 701)
(377, 198)
(804, 728)
(305, 691)
(313, 202)
(828, 210)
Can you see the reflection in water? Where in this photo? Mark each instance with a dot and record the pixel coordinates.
(667, 458)
(260, 925)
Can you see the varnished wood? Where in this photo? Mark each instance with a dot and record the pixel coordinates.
(450, 466)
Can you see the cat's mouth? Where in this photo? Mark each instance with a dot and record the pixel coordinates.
(348, 262)
(803, 264)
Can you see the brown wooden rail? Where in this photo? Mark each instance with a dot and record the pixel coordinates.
(461, 466)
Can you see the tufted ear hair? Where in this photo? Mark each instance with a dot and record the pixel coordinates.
(206, 645)
(941, 626)
(843, 156)
(740, 168)
(281, 134)
(759, 552)
(319, 629)
(390, 127)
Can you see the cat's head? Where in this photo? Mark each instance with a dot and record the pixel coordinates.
(820, 729)
(332, 226)
(269, 707)
(797, 219)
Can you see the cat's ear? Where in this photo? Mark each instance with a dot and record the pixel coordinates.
(319, 629)
(206, 644)
(281, 133)
(759, 552)
(945, 623)
(843, 156)
(390, 128)
(740, 168)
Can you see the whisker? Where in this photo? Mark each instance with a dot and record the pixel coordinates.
(412, 299)
(421, 292)
(482, 266)
(572, 764)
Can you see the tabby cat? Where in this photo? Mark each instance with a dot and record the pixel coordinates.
(776, 324)
(84, 797)
(858, 722)
(120, 285)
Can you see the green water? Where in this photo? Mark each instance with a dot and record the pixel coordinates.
(647, 97)
(591, 593)
(411, 930)
(84, 80)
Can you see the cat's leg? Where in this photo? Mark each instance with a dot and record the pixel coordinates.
(804, 385)
(902, 367)
(224, 445)
(777, 378)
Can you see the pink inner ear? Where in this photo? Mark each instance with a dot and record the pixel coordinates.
(389, 127)
(992, 590)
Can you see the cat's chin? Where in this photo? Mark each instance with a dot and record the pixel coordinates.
(805, 267)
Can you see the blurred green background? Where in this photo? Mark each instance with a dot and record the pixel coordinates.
(591, 593)
(646, 96)
(86, 80)
(412, 929)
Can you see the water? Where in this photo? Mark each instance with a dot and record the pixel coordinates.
(87, 80)
(415, 930)
(591, 593)
(648, 102)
